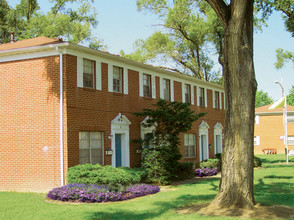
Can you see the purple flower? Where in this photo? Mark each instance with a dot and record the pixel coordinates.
(206, 172)
(101, 193)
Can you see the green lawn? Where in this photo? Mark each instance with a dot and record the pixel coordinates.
(274, 184)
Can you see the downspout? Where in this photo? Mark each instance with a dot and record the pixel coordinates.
(61, 116)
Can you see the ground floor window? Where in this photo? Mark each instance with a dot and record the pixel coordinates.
(91, 147)
(290, 140)
(190, 145)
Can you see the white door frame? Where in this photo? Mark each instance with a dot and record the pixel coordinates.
(120, 125)
(203, 130)
(218, 130)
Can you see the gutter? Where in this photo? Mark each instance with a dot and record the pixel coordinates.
(61, 116)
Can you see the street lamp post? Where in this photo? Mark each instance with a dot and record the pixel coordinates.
(285, 118)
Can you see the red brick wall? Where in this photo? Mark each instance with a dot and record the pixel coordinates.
(93, 110)
(30, 119)
(29, 122)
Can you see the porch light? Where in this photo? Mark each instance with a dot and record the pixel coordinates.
(110, 136)
(139, 151)
(109, 152)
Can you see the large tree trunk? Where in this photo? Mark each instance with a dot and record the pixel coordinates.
(236, 186)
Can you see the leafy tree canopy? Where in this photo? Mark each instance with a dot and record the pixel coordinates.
(290, 97)
(262, 99)
(189, 33)
(287, 9)
(69, 19)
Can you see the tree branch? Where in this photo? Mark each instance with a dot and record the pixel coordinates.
(222, 10)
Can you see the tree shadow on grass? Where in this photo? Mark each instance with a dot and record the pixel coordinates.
(157, 210)
(277, 193)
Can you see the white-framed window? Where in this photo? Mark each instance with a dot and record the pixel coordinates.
(201, 97)
(187, 93)
(256, 140)
(290, 140)
(91, 147)
(216, 100)
(88, 73)
(290, 118)
(147, 85)
(166, 89)
(190, 145)
(256, 119)
(117, 79)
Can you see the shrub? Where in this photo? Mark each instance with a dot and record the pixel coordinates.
(257, 162)
(102, 193)
(97, 174)
(185, 171)
(219, 163)
(210, 163)
(206, 172)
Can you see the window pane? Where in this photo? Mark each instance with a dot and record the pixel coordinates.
(88, 73)
(84, 156)
(187, 93)
(166, 90)
(96, 156)
(117, 79)
(186, 151)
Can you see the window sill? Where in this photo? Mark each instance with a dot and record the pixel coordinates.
(192, 157)
(118, 94)
(148, 98)
(88, 89)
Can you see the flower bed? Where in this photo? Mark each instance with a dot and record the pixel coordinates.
(206, 172)
(91, 193)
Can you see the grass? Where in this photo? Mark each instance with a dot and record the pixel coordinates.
(274, 185)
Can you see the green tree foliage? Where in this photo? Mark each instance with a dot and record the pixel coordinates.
(287, 9)
(188, 34)
(169, 119)
(283, 56)
(290, 97)
(262, 99)
(69, 19)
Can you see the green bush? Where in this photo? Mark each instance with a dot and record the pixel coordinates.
(219, 163)
(97, 174)
(257, 162)
(210, 163)
(185, 171)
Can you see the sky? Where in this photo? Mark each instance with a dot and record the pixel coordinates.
(120, 25)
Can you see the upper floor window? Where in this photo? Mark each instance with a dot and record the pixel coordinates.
(190, 145)
(117, 79)
(146, 85)
(187, 93)
(88, 73)
(216, 99)
(290, 118)
(201, 97)
(166, 89)
(91, 147)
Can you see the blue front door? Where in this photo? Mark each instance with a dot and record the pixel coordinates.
(118, 150)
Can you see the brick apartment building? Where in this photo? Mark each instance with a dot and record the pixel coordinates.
(63, 104)
(269, 130)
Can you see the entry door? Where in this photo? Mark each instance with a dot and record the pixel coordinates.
(204, 147)
(118, 150)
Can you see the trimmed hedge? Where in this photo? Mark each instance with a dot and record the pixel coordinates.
(257, 162)
(185, 171)
(210, 163)
(97, 174)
